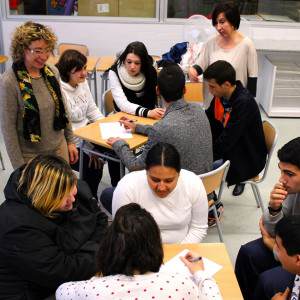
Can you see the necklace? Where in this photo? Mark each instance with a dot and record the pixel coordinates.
(36, 76)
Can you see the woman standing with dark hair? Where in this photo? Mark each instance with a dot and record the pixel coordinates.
(229, 45)
(129, 259)
(133, 80)
(176, 198)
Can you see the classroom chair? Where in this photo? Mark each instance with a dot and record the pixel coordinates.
(66, 46)
(108, 102)
(212, 181)
(193, 92)
(270, 140)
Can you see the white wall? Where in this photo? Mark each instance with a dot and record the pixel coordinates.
(109, 38)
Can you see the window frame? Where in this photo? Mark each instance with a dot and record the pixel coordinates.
(161, 18)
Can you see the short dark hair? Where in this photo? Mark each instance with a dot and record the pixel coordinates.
(69, 60)
(290, 152)
(221, 71)
(171, 82)
(139, 49)
(288, 229)
(131, 244)
(163, 154)
(231, 12)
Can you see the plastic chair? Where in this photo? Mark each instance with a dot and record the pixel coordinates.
(79, 47)
(212, 181)
(193, 92)
(108, 102)
(270, 140)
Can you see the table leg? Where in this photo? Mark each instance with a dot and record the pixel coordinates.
(95, 87)
(102, 92)
(81, 160)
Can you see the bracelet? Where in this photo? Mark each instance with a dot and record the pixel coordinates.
(272, 210)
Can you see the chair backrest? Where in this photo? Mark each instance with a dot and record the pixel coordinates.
(214, 179)
(193, 92)
(79, 47)
(108, 102)
(271, 136)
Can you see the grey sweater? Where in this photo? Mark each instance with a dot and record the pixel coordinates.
(186, 127)
(11, 109)
(290, 206)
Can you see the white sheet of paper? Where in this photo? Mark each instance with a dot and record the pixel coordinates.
(175, 265)
(113, 129)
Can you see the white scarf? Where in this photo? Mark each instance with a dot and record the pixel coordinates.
(134, 83)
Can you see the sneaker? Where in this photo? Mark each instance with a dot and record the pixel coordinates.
(211, 218)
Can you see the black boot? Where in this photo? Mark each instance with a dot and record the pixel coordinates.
(238, 189)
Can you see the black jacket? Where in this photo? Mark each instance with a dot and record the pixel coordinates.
(37, 254)
(242, 140)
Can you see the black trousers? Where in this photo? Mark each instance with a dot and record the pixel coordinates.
(259, 275)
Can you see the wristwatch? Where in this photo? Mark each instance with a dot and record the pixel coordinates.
(274, 211)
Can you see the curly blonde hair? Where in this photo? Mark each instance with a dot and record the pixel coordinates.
(25, 34)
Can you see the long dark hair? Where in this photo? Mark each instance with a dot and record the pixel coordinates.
(131, 244)
(163, 154)
(139, 49)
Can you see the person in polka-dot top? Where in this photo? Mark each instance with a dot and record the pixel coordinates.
(129, 258)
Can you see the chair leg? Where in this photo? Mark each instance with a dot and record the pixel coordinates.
(255, 195)
(2, 163)
(220, 190)
(259, 199)
(218, 224)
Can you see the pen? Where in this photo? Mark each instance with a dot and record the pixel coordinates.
(195, 259)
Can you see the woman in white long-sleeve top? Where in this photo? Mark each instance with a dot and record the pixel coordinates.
(175, 197)
(129, 259)
(81, 109)
(133, 81)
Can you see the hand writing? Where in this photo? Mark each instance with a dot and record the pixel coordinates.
(193, 266)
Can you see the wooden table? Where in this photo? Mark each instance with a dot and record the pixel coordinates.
(91, 64)
(91, 133)
(216, 252)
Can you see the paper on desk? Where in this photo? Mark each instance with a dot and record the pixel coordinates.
(175, 265)
(113, 129)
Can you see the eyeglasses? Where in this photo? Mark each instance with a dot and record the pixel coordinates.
(39, 51)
